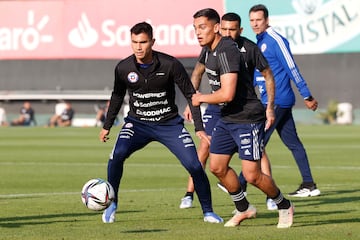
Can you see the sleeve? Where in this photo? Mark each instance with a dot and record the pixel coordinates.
(183, 81)
(230, 59)
(202, 56)
(284, 55)
(116, 100)
(260, 61)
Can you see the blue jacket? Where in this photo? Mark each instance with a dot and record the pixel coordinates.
(276, 50)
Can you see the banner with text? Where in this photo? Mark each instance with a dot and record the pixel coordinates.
(95, 30)
(316, 26)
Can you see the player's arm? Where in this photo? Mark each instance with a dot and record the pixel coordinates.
(196, 77)
(197, 74)
(224, 94)
(270, 90)
(115, 103)
(181, 78)
(287, 60)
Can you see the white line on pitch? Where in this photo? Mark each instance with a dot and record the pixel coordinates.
(19, 195)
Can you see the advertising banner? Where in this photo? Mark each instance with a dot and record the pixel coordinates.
(96, 29)
(312, 27)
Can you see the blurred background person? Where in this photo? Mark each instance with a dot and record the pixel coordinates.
(64, 119)
(3, 117)
(101, 112)
(26, 117)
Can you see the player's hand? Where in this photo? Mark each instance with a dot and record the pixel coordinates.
(311, 104)
(270, 118)
(103, 136)
(187, 114)
(203, 136)
(196, 99)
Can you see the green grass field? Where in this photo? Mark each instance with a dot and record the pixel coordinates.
(42, 172)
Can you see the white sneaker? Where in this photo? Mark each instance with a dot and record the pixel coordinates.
(212, 217)
(306, 190)
(271, 205)
(109, 214)
(186, 202)
(241, 216)
(286, 217)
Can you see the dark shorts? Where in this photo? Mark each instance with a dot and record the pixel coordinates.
(246, 138)
(210, 117)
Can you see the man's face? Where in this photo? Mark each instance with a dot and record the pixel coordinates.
(258, 22)
(205, 30)
(230, 29)
(141, 45)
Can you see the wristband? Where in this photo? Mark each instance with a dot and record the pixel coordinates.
(310, 98)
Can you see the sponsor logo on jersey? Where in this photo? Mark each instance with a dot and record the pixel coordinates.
(150, 104)
(247, 152)
(153, 113)
(149, 95)
(133, 77)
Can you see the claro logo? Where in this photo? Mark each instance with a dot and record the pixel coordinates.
(28, 37)
(110, 34)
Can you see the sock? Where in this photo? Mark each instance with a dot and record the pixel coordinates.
(189, 194)
(281, 202)
(240, 201)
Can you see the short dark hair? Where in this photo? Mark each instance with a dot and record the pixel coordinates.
(231, 17)
(260, 7)
(209, 13)
(142, 27)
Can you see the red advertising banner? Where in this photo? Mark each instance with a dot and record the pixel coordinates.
(96, 29)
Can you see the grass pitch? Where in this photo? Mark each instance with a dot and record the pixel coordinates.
(43, 170)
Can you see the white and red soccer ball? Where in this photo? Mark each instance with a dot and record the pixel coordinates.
(97, 194)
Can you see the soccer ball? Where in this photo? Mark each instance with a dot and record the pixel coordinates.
(97, 194)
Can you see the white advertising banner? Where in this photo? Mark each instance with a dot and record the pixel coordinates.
(311, 26)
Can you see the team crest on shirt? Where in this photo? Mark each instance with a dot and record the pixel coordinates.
(133, 77)
(263, 47)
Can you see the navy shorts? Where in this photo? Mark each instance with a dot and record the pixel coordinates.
(210, 117)
(245, 138)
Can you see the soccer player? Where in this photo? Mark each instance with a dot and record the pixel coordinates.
(277, 51)
(230, 26)
(242, 123)
(26, 117)
(65, 118)
(149, 77)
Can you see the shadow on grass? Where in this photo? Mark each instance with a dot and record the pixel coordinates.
(319, 209)
(16, 222)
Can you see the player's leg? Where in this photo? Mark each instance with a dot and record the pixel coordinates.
(203, 153)
(209, 119)
(250, 151)
(179, 141)
(221, 150)
(265, 161)
(132, 136)
(288, 134)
